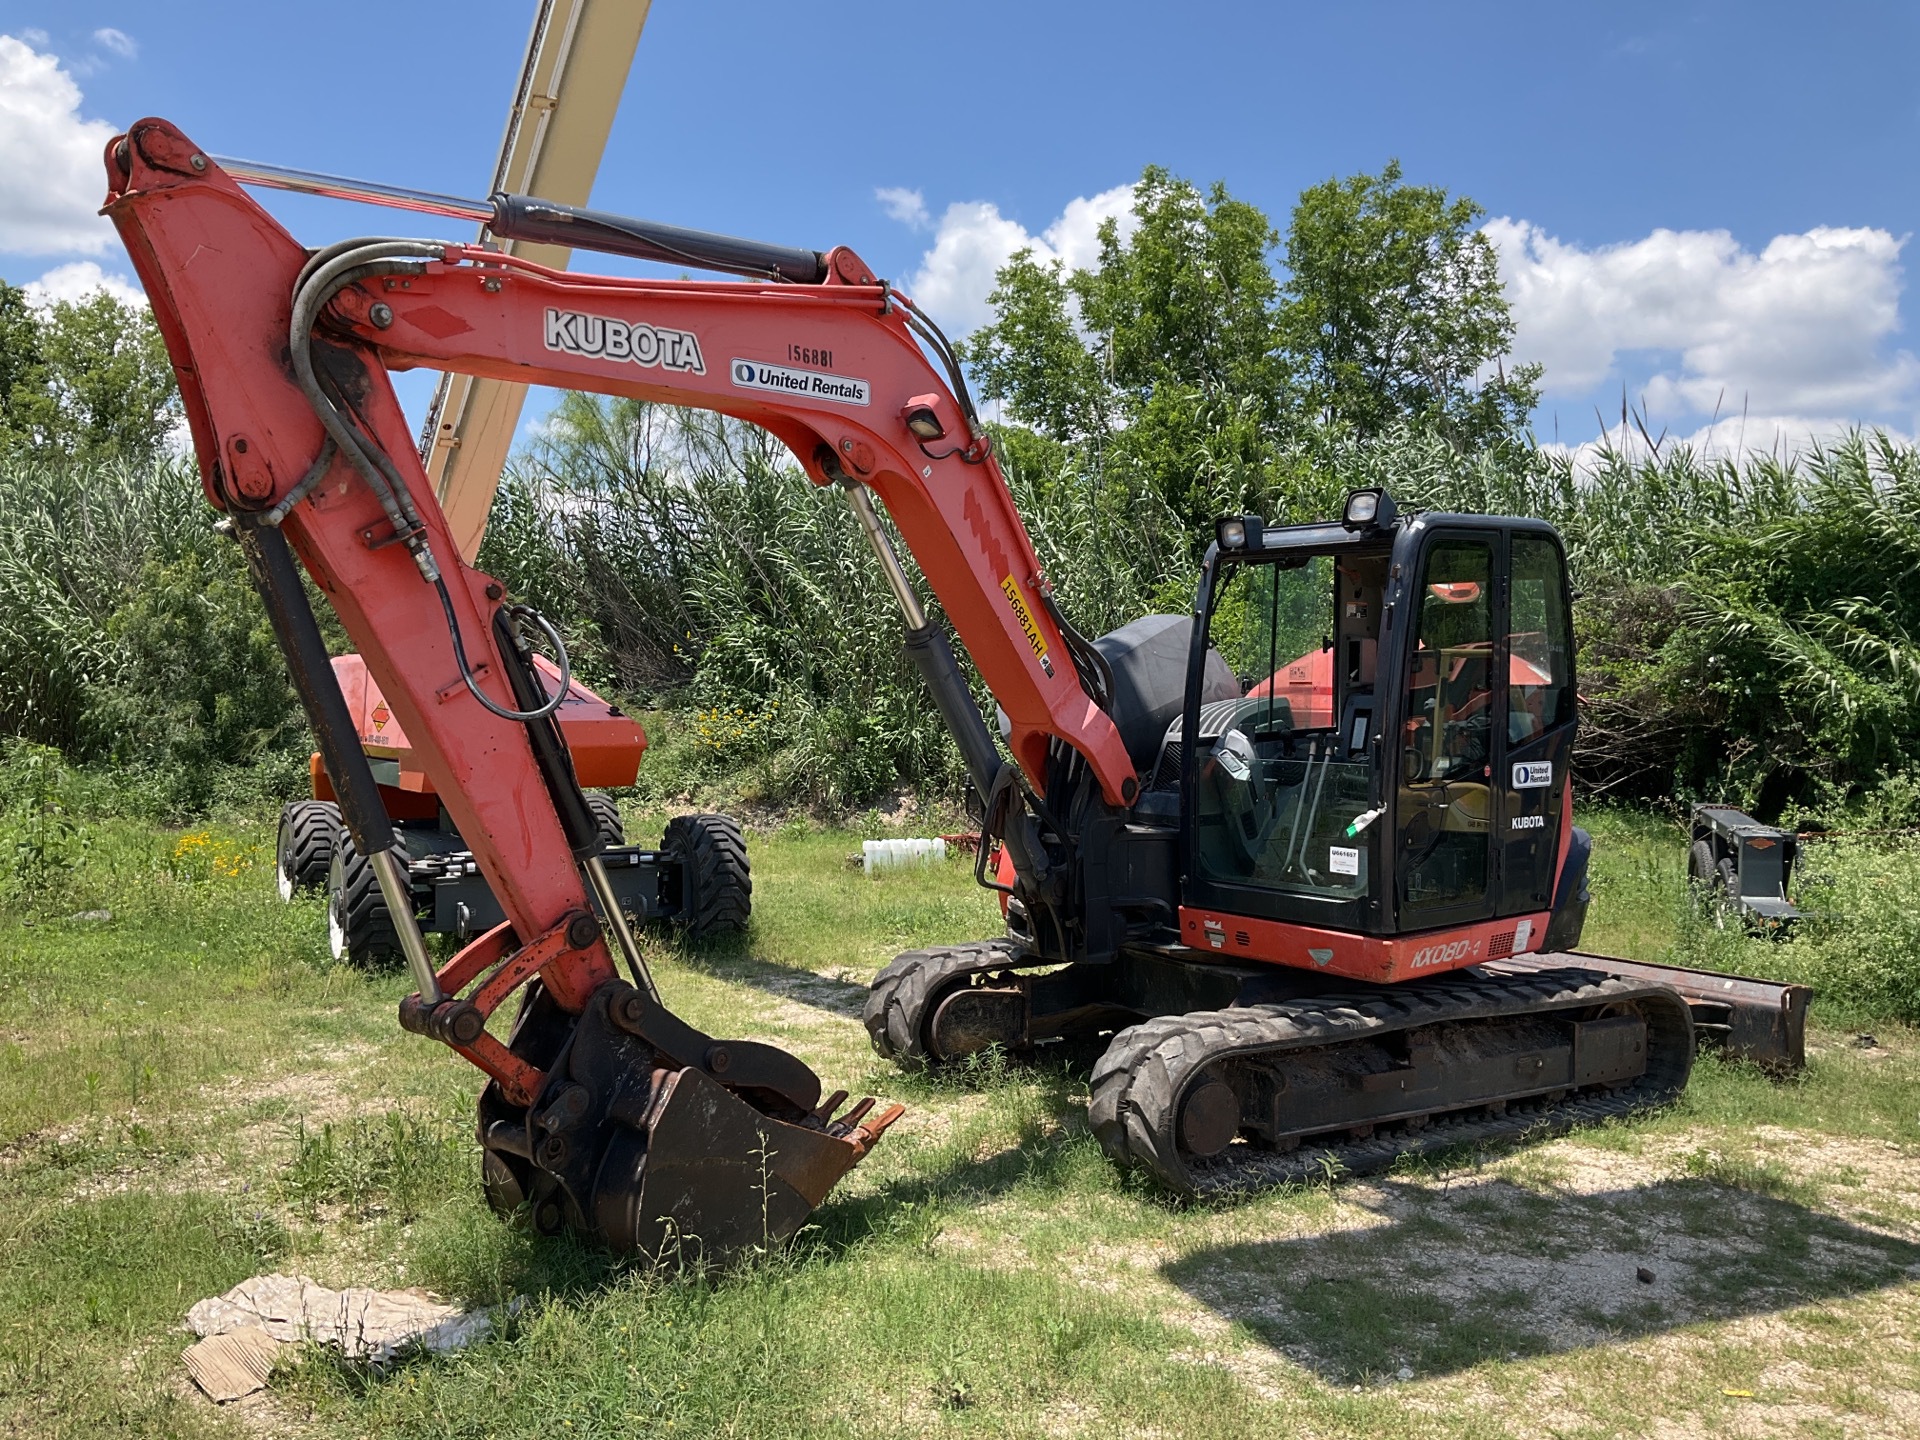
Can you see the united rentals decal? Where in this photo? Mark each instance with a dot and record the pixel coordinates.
(809, 384)
(1025, 617)
(603, 338)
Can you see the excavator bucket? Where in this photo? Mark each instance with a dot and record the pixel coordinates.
(659, 1141)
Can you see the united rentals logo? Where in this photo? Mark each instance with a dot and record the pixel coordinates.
(812, 384)
(1532, 774)
(601, 337)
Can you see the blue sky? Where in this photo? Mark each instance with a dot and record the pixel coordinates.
(1706, 204)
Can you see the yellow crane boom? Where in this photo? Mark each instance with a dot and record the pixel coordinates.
(576, 65)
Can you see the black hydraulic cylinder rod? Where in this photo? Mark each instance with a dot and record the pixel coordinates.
(546, 222)
(932, 656)
(523, 217)
(550, 751)
(277, 578)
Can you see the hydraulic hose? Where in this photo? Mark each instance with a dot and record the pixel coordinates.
(325, 280)
(540, 623)
(325, 274)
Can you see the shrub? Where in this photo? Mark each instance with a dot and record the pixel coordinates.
(130, 634)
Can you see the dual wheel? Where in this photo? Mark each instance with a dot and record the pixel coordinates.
(314, 851)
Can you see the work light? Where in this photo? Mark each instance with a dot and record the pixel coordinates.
(1239, 532)
(922, 419)
(1369, 510)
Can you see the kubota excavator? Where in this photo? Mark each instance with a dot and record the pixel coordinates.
(1300, 865)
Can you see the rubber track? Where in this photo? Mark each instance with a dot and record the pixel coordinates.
(902, 993)
(716, 881)
(1139, 1081)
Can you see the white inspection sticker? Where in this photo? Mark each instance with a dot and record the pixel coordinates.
(1343, 860)
(811, 384)
(1533, 775)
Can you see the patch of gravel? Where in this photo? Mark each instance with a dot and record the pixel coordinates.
(1475, 1243)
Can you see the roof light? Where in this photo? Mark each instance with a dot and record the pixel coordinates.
(1369, 510)
(1240, 532)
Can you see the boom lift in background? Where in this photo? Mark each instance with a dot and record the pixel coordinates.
(698, 880)
(571, 79)
(565, 97)
(1291, 939)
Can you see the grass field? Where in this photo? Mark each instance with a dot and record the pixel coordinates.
(191, 1094)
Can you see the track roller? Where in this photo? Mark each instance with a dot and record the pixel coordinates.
(1246, 1098)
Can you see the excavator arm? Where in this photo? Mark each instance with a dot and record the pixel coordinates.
(605, 1112)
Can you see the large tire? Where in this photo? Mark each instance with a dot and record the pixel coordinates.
(1700, 866)
(716, 884)
(303, 850)
(606, 814)
(359, 927)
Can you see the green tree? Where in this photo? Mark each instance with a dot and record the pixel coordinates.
(1032, 358)
(1186, 301)
(1393, 312)
(19, 353)
(1158, 365)
(85, 380)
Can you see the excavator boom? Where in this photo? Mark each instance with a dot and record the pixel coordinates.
(604, 1112)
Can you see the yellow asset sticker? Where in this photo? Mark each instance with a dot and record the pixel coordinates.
(1025, 617)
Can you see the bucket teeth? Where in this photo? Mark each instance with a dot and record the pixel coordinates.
(823, 1112)
(676, 1147)
(844, 1125)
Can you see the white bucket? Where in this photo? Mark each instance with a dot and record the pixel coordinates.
(878, 855)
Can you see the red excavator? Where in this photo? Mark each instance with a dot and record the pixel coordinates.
(1306, 920)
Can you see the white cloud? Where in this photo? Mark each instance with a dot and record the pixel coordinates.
(1799, 329)
(51, 177)
(909, 207)
(79, 280)
(118, 41)
(1732, 436)
(975, 239)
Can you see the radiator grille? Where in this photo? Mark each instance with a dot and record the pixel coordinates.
(1166, 775)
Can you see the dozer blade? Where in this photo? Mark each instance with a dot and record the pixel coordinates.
(657, 1140)
(1763, 1022)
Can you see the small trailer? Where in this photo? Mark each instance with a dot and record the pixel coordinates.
(1742, 868)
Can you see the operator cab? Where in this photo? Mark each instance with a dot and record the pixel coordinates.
(1378, 720)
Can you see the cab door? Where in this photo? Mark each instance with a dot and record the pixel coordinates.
(1538, 721)
(1450, 717)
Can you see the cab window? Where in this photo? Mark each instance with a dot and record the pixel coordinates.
(1277, 787)
(1539, 642)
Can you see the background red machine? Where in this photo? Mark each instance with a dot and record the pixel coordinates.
(698, 880)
